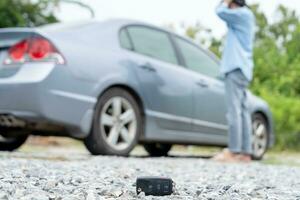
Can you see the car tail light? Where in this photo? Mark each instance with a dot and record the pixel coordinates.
(17, 52)
(35, 49)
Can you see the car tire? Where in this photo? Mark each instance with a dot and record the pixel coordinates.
(11, 143)
(117, 124)
(157, 149)
(260, 136)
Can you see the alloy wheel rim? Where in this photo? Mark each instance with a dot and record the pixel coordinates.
(118, 123)
(260, 138)
(6, 139)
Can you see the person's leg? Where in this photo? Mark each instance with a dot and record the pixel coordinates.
(234, 112)
(246, 118)
(239, 119)
(234, 118)
(247, 126)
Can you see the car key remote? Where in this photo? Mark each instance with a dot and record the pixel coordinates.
(155, 186)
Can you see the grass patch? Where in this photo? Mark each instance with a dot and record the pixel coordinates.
(287, 158)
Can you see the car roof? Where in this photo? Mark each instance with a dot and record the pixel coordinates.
(115, 24)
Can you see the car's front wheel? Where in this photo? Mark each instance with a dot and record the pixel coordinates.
(117, 124)
(260, 136)
(9, 141)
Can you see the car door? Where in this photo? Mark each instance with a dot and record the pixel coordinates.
(168, 91)
(209, 92)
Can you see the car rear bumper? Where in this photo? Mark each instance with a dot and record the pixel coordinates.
(43, 92)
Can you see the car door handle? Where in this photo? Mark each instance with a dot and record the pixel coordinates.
(148, 67)
(203, 83)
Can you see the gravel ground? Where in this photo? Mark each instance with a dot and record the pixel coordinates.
(72, 176)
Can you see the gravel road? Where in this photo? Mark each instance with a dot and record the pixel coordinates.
(72, 176)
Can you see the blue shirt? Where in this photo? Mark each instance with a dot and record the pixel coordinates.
(238, 51)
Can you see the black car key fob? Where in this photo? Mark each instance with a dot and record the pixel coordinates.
(155, 186)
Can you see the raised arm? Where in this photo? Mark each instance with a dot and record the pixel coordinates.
(230, 16)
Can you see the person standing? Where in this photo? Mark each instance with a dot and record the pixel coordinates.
(237, 66)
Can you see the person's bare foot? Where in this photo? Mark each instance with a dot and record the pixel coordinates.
(226, 156)
(244, 158)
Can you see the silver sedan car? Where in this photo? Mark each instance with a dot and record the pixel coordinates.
(115, 84)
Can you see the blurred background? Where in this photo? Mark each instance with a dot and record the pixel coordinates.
(277, 45)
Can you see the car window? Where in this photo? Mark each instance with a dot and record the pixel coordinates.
(197, 60)
(125, 40)
(153, 43)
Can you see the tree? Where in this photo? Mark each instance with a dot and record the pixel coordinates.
(29, 13)
(24, 13)
(79, 3)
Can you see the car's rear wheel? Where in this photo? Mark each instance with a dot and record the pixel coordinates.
(117, 124)
(260, 136)
(9, 141)
(157, 149)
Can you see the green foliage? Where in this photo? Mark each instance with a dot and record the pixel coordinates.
(261, 22)
(192, 31)
(24, 13)
(277, 71)
(286, 117)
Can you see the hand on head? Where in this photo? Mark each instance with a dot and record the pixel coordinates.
(235, 3)
(228, 1)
